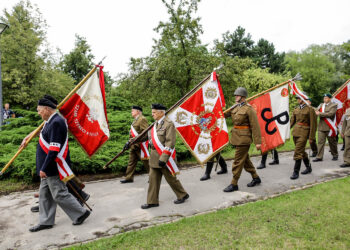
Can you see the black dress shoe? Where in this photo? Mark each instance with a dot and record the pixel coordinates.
(254, 182)
(274, 162)
(34, 209)
(82, 218)
(147, 206)
(231, 188)
(126, 181)
(345, 165)
(335, 158)
(39, 227)
(182, 200)
(316, 160)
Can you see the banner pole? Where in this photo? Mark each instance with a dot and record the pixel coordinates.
(141, 135)
(297, 77)
(37, 130)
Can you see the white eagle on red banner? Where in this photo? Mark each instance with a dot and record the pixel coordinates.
(200, 121)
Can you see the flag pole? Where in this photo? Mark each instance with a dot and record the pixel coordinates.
(340, 88)
(79, 196)
(296, 77)
(37, 130)
(141, 135)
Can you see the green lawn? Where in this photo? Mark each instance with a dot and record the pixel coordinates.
(315, 218)
(11, 185)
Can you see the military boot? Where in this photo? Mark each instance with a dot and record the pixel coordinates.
(295, 174)
(263, 161)
(208, 169)
(223, 166)
(307, 165)
(275, 158)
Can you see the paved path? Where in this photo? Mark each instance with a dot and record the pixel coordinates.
(116, 207)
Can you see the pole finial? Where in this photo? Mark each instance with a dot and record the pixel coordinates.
(102, 60)
(297, 77)
(218, 67)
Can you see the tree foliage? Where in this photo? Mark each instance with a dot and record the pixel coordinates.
(26, 74)
(178, 60)
(316, 69)
(240, 44)
(78, 62)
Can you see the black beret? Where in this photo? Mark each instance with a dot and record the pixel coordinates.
(48, 101)
(53, 100)
(158, 106)
(137, 107)
(327, 95)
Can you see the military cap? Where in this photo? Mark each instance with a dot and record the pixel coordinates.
(158, 106)
(241, 92)
(48, 101)
(136, 107)
(327, 95)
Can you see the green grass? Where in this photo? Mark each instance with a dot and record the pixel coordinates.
(315, 218)
(12, 185)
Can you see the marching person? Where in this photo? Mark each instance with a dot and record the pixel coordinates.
(245, 129)
(326, 112)
(138, 151)
(210, 165)
(275, 160)
(164, 137)
(53, 191)
(345, 134)
(305, 124)
(313, 144)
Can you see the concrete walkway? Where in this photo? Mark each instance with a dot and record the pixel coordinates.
(116, 207)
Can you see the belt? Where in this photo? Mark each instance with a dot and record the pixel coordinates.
(303, 124)
(241, 127)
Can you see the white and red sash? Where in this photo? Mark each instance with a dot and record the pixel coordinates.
(161, 149)
(144, 145)
(331, 124)
(63, 168)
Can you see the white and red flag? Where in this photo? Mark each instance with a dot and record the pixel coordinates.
(342, 99)
(200, 121)
(296, 91)
(272, 110)
(86, 113)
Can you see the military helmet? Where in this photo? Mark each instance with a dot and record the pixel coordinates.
(241, 92)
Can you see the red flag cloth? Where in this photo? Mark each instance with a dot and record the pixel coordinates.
(86, 114)
(272, 110)
(342, 99)
(200, 121)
